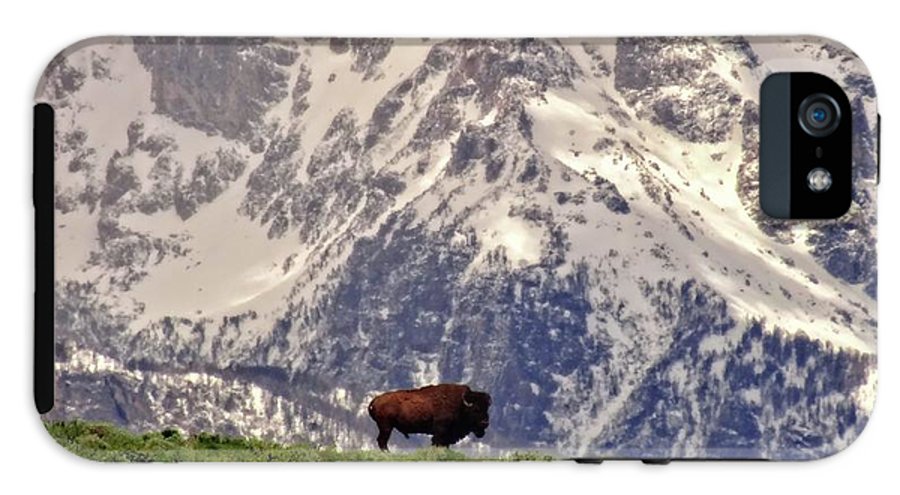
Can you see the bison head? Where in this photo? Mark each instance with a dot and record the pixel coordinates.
(475, 411)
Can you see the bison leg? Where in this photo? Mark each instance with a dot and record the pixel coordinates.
(384, 434)
(439, 438)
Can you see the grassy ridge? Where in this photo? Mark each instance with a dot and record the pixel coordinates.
(104, 442)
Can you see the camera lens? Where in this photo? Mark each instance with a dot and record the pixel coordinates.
(819, 115)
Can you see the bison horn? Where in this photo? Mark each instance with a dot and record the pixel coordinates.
(466, 403)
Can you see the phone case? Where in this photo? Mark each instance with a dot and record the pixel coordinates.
(254, 239)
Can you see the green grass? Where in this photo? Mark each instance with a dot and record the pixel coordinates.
(108, 443)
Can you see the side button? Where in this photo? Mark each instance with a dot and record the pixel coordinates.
(878, 152)
(42, 186)
(656, 462)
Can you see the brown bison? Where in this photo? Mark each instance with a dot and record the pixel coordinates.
(447, 412)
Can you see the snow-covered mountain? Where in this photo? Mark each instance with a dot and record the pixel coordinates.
(256, 236)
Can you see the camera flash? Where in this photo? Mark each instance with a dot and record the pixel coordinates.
(818, 180)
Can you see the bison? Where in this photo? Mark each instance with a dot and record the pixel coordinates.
(447, 412)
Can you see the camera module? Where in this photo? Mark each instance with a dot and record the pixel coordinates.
(805, 147)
